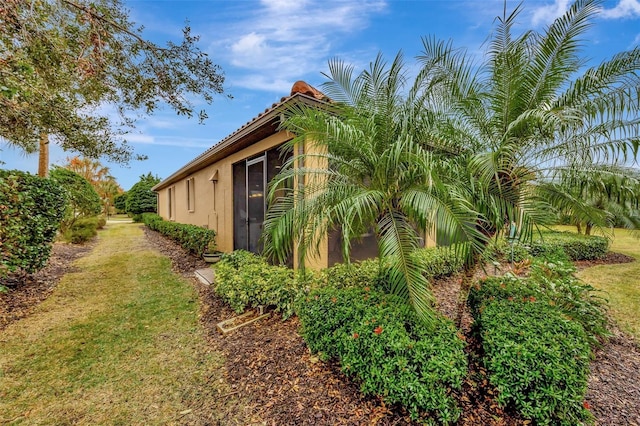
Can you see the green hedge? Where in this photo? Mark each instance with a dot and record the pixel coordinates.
(31, 209)
(536, 333)
(379, 340)
(551, 281)
(82, 230)
(438, 262)
(576, 246)
(191, 237)
(244, 279)
(537, 359)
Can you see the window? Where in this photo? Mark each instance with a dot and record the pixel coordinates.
(171, 194)
(191, 195)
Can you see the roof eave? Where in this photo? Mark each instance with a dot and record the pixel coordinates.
(265, 119)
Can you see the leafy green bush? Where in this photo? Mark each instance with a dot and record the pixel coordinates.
(140, 198)
(191, 237)
(245, 279)
(502, 249)
(578, 301)
(82, 230)
(360, 274)
(553, 283)
(379, 339)
(30, 212)
(102, 221)
(576, 246)
(82, 199)
(438, 261)
(537, 359)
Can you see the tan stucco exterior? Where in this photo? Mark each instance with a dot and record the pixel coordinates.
(201, 192)
(213, 207)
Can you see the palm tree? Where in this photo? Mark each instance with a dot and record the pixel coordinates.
(615, 192)
(366, 167)
(529, 114)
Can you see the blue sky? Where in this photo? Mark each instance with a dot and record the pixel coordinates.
(264, 46)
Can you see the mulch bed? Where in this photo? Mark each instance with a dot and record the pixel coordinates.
(27, 290)
(271, 370)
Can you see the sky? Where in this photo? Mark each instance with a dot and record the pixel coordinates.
(264, 46)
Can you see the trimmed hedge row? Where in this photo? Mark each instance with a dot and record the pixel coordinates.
(538, 360)
(575, 246)
(31, 209)
(191, 237)
(536, 333)
(379, 340)
(245, 279)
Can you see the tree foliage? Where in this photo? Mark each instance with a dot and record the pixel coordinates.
(99, 177)
(380, 177)
(531, 116)
(61, 59)
(467, 149)
(30, 212)
(82, 199)
(140, 198)
(120, 202)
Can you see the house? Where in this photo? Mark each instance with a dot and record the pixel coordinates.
(224, 188)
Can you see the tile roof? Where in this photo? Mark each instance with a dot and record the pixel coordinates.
(300, 92)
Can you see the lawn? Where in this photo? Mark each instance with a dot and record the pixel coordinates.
(118, 342)
(621, 282)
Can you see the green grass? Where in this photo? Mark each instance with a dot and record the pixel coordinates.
(621, 282)
(118, 342)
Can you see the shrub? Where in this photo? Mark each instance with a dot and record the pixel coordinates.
(438, 261)
(245, 279)
(537, 359)
(379, 339)
(30, 212)
(82, 230)
(359, 274)
(191, 237)
(502, 249)
(140, 198)
(82, 198)
(102, 221)
(576, 246)
(553, 283)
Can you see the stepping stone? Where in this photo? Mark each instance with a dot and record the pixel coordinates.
(205, 275)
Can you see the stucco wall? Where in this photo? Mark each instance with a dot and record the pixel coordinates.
(216, 212)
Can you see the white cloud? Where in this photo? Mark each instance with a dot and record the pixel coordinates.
(283, 40)
(624, 9)
(177, 141)
(548, 13)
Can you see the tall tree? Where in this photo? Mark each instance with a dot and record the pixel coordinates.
(140, 198)
(62, 59)
(98, 176)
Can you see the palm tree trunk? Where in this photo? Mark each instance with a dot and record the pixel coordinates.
(43, 155)
(468, 277)
(587, 229)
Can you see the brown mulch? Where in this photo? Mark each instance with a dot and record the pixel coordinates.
(610, 259)
(27, 290)
(270, 369)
